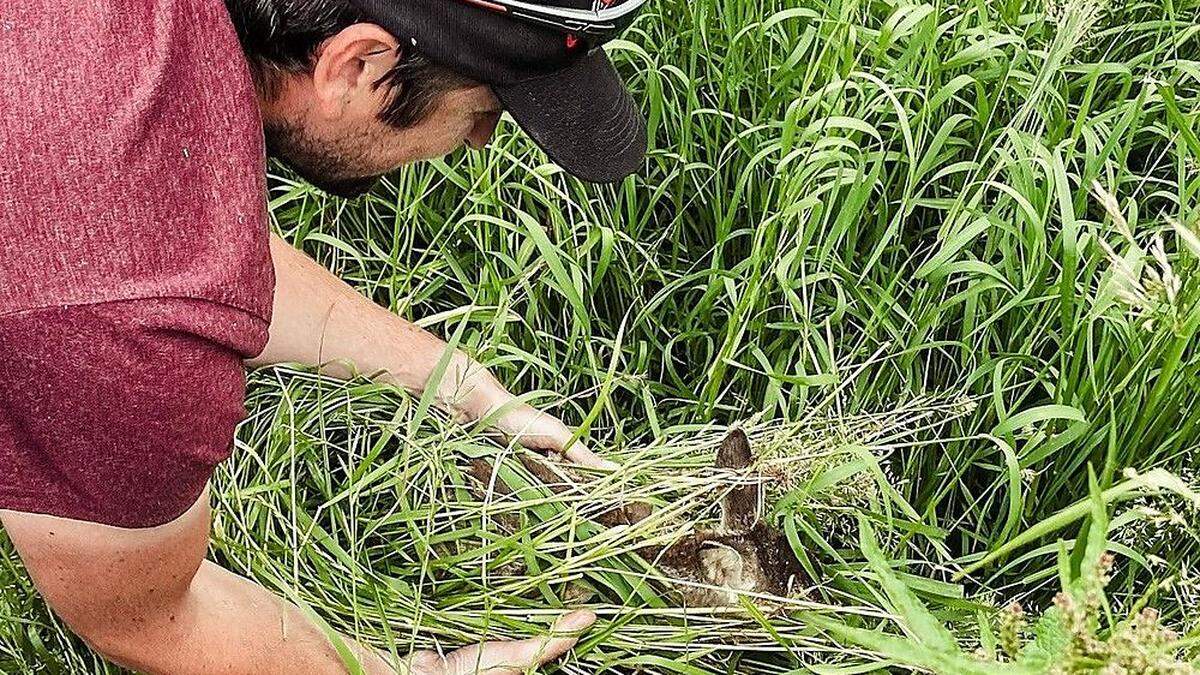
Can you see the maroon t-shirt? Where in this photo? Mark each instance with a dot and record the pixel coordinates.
(135, 273)
(131, 156)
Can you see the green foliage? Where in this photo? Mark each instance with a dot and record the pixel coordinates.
(847, 205)
(1078, 635)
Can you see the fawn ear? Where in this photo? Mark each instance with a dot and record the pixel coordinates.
(735, 451)
(739, 509)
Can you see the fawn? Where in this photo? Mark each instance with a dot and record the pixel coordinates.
(744, 554)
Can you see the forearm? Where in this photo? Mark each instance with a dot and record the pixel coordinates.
(319, 320)
(225, 623)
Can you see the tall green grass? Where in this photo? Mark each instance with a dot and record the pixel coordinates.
(847, 206)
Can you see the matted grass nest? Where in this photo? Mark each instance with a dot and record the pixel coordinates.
(360, 509)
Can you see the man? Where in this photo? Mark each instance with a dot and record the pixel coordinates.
(137, 275)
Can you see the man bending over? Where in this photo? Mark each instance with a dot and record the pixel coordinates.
(137, 275)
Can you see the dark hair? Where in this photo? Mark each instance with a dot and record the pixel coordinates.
(282, 36)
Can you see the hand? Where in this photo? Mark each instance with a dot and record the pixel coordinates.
(538, 430)
(519, 421)
(505, 657)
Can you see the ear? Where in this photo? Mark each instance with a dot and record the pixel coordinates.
(348, 66)
(739, 509)
(735, 451)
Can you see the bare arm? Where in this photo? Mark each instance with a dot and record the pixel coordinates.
(148, 600)
(319, 320)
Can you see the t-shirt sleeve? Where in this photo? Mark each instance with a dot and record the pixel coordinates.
(131, 157)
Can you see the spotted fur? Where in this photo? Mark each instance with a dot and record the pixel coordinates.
(744, 555)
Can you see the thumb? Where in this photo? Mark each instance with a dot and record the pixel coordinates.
(518, 656)
(581, 455)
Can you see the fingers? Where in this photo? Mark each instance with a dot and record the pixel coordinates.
(424, 662)
(541, 431)
(580, 454)
(516, 657)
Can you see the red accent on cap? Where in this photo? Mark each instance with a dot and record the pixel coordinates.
(572, 40)
(491, 5)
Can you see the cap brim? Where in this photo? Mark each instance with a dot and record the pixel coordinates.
(583, 118)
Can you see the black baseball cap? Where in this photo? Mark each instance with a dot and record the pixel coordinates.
(543, 60)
